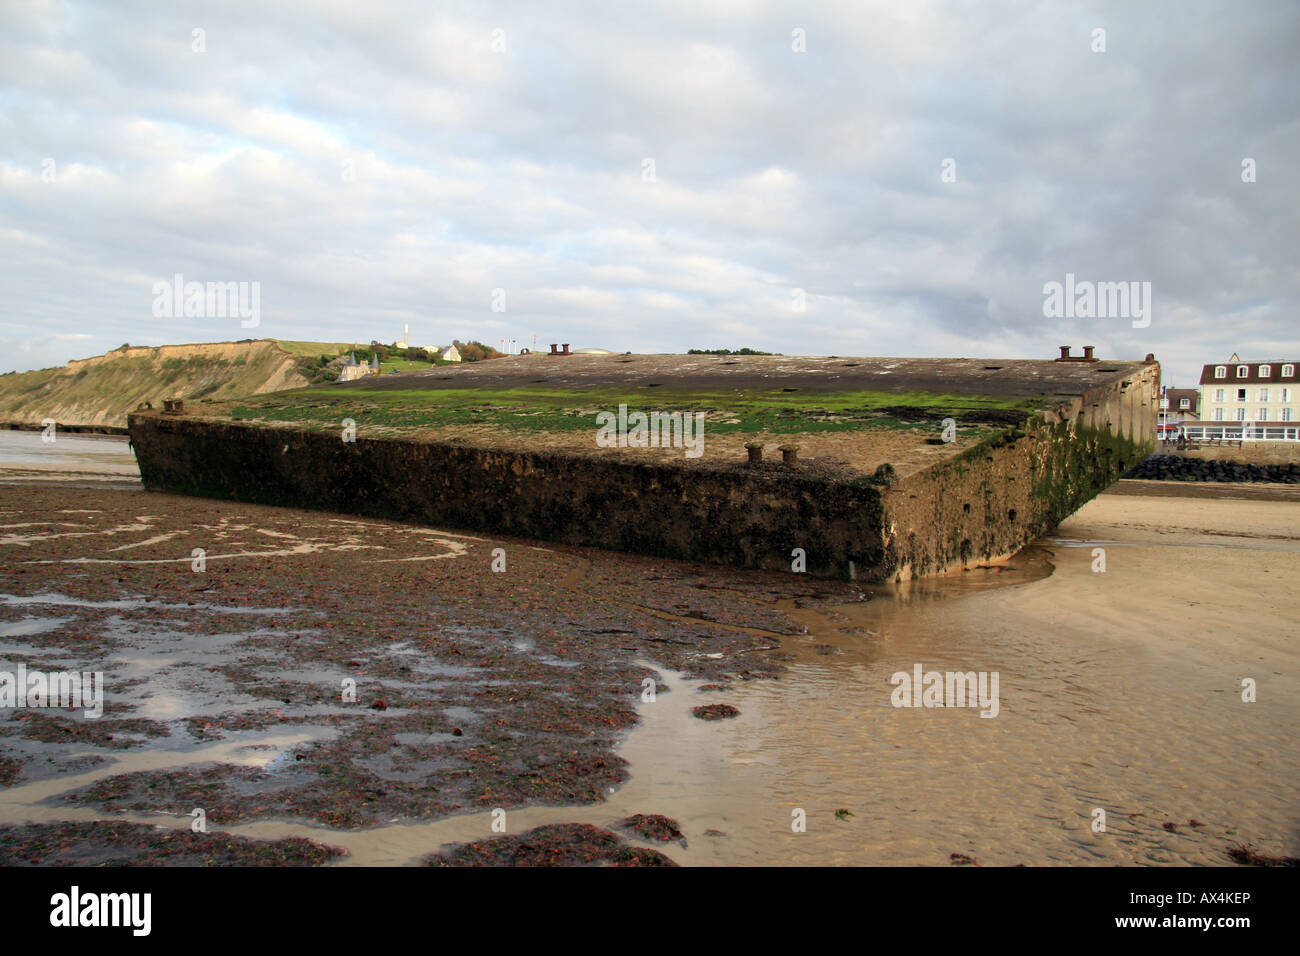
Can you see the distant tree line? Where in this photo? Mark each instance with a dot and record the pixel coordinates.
(727, 352)
(319, 369)
(475, 351)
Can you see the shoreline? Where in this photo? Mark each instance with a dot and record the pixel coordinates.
(85, 431)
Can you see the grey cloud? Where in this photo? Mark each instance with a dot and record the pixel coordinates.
(474, 170)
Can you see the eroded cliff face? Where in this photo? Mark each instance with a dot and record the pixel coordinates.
(100, 391)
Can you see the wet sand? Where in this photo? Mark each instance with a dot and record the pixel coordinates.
(1119, 691)
(99, 461)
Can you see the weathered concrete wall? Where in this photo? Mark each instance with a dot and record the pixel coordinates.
(991, 501)
(739, 517)
(984, 503)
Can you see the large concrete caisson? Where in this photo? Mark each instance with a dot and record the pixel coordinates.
(890, 467)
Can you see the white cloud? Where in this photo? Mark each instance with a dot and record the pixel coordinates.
(376, 162)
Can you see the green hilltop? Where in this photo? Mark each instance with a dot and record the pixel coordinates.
(100, 391)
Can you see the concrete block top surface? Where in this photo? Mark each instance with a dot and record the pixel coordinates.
(828, 416)
(1008, 378)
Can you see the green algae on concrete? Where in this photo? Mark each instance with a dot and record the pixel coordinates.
(543, 409)
(507, 446)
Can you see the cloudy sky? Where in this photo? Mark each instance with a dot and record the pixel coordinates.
(654, 176)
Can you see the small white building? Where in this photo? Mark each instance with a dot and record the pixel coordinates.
(450, 354)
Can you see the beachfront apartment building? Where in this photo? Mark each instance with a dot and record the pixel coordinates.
(1259, 400)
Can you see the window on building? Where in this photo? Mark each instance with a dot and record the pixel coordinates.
(1286, 414)
(1265, 371)
(1243, 371)
(1184, 403)
(1286, 394)
(1241, 414)
(1221, 371)
(1218, 394)
(1218, 414)
(1263, 395)
(1241, 394)
(1262, 416)
(1288, 371)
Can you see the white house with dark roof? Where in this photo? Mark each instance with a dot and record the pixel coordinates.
(1258, 400)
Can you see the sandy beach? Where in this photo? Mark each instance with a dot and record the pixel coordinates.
(1120, 691)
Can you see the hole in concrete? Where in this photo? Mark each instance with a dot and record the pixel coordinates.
(654, 384)
(992, 368)
(536, 380)
(852, 364)
(965, 509)
(1011, 515)
(789, 389)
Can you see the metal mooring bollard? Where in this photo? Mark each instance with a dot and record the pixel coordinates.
(755, 452)
(789, 455)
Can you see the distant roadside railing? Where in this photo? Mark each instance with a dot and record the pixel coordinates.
(1219, 435)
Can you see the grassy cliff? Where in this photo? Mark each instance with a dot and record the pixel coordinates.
(100, 391)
